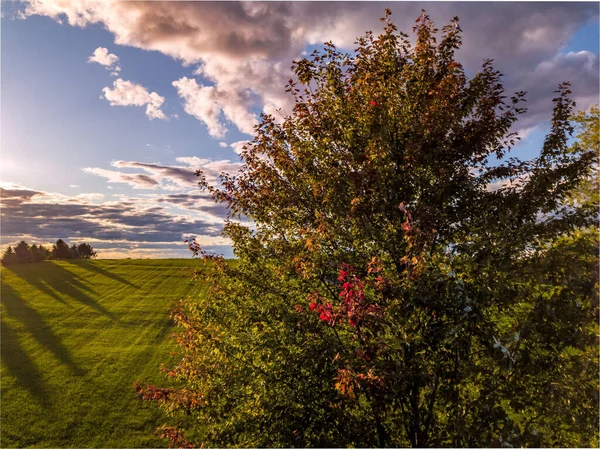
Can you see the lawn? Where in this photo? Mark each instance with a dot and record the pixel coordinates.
(75, 336)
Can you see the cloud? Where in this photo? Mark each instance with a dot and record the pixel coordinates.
(211, 169)
(11, 195)
(166, 177)
(126, 93)
(223, 144)
(541, 82)
(239, 146)
(136, 180)
(244, 50)
(201, 102)
(202, 202)
(130, 222)
(108, 60)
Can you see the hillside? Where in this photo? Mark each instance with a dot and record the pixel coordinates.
(75, 336)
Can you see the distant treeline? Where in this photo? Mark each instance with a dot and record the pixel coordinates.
(24, 253)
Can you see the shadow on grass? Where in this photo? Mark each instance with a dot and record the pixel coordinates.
(50, 278)
(17, 363)
(16, 308)
(91, 266)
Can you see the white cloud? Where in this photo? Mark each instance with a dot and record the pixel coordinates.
(126, 93)
(201, 102)
(223, 144)
(518, 183)
(108, 60)
(238, 146)
(208, 103)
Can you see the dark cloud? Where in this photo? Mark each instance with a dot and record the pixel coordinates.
(198, 202)
(135, 180)
(580, 68)
(16, 196)
(168, 177)
(124, 221)
(180, 175)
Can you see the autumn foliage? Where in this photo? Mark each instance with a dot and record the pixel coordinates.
(384, 293)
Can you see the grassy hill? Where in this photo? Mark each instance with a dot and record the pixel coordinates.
(74, 338)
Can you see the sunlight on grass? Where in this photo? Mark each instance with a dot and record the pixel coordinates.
(75, 337)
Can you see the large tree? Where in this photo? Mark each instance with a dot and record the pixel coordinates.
(403, 282)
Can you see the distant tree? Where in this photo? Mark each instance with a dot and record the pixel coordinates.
(61, 250)
(23, 253)
(37, 253)
(86, 251)
(8, 258)
(45, 252)
(74, 252)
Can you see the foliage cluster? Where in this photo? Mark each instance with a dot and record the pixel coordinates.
(24, 253)
(386, 293)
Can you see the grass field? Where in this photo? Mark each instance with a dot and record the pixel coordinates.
(75, 336)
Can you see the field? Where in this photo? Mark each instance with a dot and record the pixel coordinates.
(75, 337)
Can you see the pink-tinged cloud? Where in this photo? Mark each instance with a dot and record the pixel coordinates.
(245, 49)
(126, 93)
(108, 60)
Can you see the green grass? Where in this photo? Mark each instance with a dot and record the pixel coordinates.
(74, 338)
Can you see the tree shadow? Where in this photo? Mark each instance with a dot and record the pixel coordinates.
(91, 266)
(17, 362)
(51, 278)
(17, 308)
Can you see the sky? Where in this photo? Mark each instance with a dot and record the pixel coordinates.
(108, 108)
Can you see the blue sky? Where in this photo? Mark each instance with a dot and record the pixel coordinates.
(62, 143)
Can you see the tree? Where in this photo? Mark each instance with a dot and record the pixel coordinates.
(61, 250)
(74, 252)
(23, 253)
(385, 294)
(86, 251)
(588, 139)
(8, 258)
(37, 253)
(45, 252)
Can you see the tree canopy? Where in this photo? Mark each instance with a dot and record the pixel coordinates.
(403, 281)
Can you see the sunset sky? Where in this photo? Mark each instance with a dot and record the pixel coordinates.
(108, 108)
